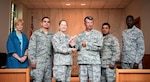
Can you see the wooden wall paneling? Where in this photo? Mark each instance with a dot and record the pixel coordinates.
(75, 18)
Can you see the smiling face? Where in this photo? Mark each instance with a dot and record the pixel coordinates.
(45, 23)
(63, 26)
(105, 29)
(89, 24)
(19, 24)
(130, 21)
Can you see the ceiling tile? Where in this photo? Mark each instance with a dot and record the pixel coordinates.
(74, 3)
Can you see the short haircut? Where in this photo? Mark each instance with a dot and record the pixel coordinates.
(18, 21)
(88, 17)
(106, 24)
(61, 21)
(44, 18)
(130, 16)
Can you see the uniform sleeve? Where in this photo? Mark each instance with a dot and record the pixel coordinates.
(10, 45)
(95, 44)
(60, 48)
(78, 43)
(123, 51)
(140, 48)
(32, 48)
(115, 51)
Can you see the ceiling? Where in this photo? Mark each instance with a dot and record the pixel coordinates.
(74, 3)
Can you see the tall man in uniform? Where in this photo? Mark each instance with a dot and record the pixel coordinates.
(110, 53)
(40, 52)
(132, 45)
(89, 43)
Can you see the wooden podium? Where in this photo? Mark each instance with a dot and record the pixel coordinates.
(15, 75)
(132, 75)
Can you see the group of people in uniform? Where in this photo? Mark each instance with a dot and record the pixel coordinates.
(97, 51)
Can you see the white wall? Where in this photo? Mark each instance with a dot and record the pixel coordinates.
(141, 8)
(5, 7)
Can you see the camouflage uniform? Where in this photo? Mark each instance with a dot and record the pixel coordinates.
(62, 57)
(133, 47)
(110, 53)
(89, 57)
(40, 52)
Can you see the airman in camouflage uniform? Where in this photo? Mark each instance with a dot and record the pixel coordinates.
(89, 43)
(40, 53)
(110, 53)
(62, 54)
(133, 45)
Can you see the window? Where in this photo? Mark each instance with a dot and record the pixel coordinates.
(13, 16)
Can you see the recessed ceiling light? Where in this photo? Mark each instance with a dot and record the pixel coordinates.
(82, 4)
(68, 4)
